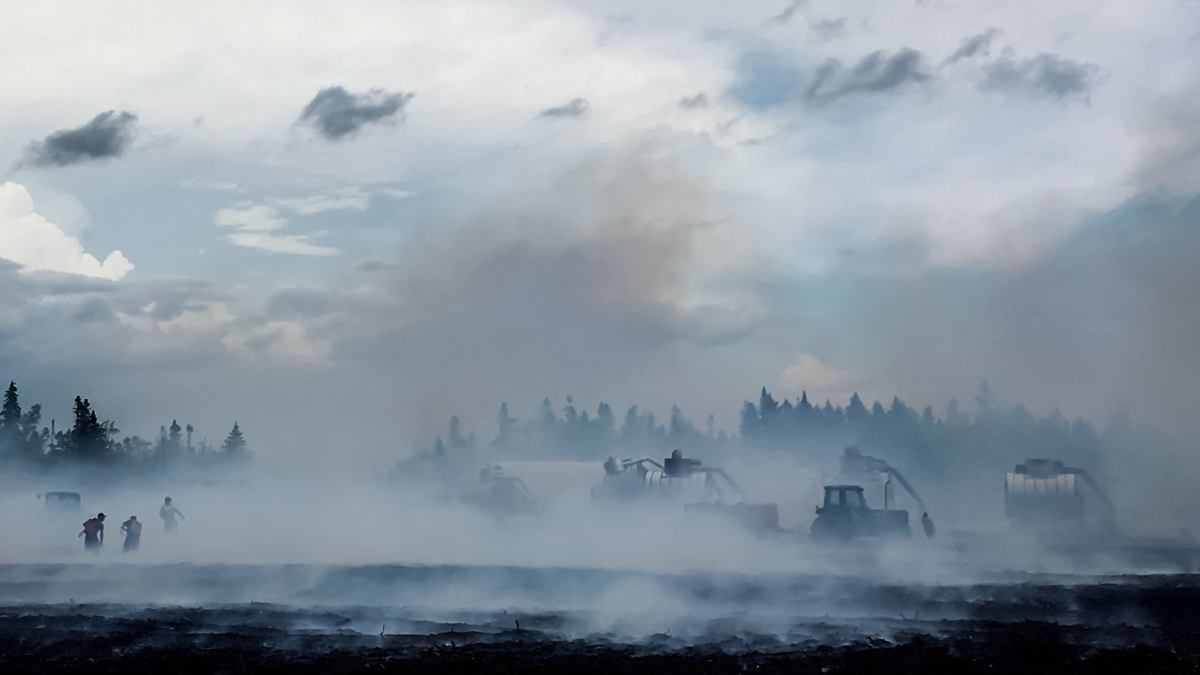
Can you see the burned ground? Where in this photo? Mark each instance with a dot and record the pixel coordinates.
(1024, 623)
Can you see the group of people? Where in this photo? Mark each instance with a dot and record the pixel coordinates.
(93, 528)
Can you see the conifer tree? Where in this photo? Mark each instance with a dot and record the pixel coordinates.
(10, 412)
(235, 442)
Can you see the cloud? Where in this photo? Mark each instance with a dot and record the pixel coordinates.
(1042, 75)
(336, 113)
(210, 185)
(699, 100)
(371, 265)
(876, 72)
(280, 243)
(105, 135)
(33, 242)
(299, 303)
(788, 12)
(576, 107)
(94, 310)
(827, 29)
(258, 227)
(282, 341)
(1168, 140)
(396, 192)
(347, 198)
(252, 217)
(606, 249)
(809, 372)
(975, 45)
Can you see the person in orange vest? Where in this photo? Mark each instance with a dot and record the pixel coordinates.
(133, 533)
(93, 533)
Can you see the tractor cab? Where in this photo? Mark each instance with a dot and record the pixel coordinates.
(845, 515)
(843, 497)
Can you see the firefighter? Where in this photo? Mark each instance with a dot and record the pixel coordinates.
(133, 533)
(93, 533)
(168, 512)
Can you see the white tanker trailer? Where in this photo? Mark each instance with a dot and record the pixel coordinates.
(1044, 495)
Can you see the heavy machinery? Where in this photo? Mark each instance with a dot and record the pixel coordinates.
(500, 494)
(844, 515)
(701, 489)
(857, 466)
(62, 502)
(1046, 496)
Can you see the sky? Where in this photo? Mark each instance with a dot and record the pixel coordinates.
(339, 223)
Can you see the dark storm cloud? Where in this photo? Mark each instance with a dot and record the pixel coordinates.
(41, 282)
(1046, 75)
(166, 299)
(105, 135)
(336, 113)
(766, 79)
(877, 72)
(975, 45)
(576, 107)
(699, 100)
(94, 310)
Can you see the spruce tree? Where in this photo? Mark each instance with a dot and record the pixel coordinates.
(10, 412)
(503, 421)
(235, 443)
(856, 410)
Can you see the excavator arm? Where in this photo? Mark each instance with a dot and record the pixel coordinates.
(1087, 478)
(899, 478)
(728, 480)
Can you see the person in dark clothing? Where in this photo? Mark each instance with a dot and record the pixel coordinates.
(133, 533)
(93, 533)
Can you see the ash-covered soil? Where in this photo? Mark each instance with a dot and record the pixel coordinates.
(486, 619)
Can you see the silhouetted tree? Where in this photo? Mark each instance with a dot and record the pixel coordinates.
(504, 423)
(235, 442)
(750, 423)
(10, 411)
(454, 435)
(985, 400)
(767, 406)
(88, 438)
(605, 423)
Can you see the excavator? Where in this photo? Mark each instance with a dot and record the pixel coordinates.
(702, 489)
(845, 514)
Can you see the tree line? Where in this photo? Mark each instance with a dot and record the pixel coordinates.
(945, 442)
(26, 441)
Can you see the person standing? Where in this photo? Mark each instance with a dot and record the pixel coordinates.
(133, 533)
(168, 513)
(93, 533)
